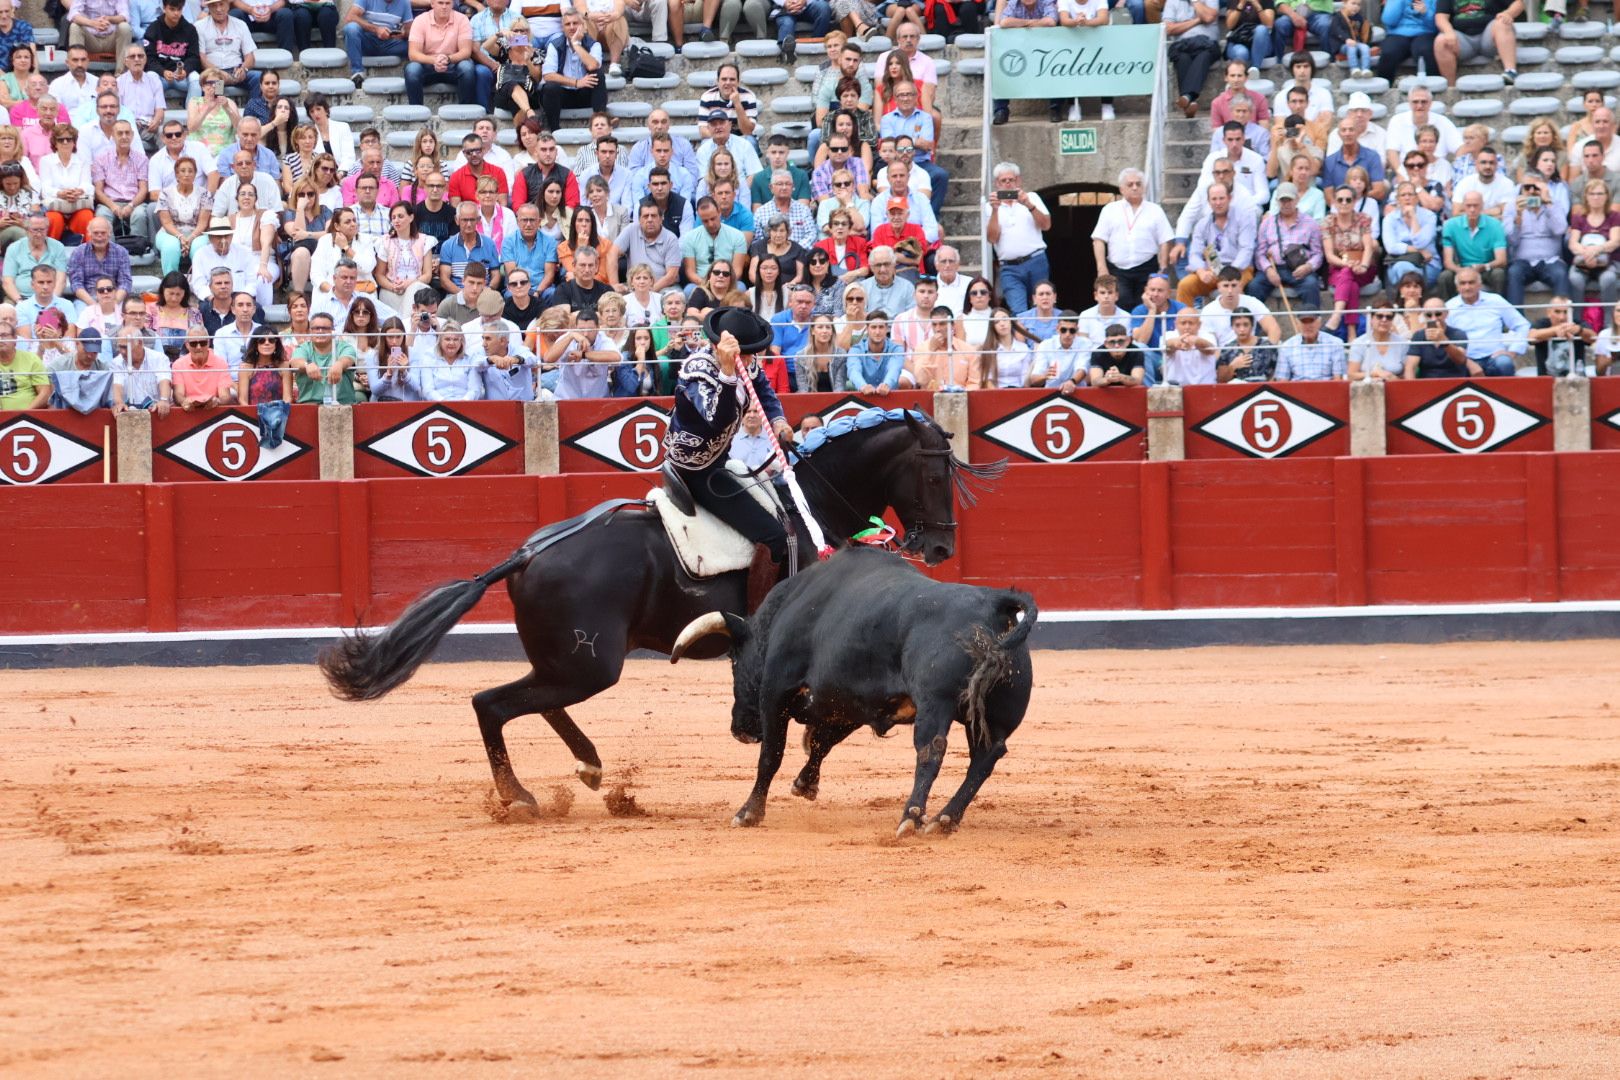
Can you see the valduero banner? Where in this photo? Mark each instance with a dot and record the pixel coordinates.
(1077, 61)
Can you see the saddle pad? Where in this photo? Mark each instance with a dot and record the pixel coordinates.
(706, 545)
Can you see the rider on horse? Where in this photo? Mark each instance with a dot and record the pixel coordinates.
(711, 397)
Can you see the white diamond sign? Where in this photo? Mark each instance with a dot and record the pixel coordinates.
(36, 453)
(1470, 420)
(632, 440)
(1057, 429)
(228, 448)
(437, 443)
(1266, 424)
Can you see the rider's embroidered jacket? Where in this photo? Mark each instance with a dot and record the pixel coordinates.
(709, 408)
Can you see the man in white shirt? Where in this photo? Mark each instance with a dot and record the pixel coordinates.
(242, 173)
(1065, 358)
(1603, 135)
(1401, 135)
(242, 263)
(1096, 319)
(160, 166)
(1018, 218)
(340, 299)
(1230, 300)
(76, 86)
(1132, 239)
(231, 339)
(1319, 98)
(951, 281)
(1498, 190)
(1249, 168)
(1359, 110)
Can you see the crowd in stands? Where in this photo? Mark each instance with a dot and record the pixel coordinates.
(478, 271)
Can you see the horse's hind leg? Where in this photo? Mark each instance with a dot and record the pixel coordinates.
(527, 695)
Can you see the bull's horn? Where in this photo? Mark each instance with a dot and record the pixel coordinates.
(701, 627)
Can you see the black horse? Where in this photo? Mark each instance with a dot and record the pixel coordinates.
(587, 591)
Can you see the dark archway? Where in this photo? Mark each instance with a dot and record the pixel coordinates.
(1074, 210)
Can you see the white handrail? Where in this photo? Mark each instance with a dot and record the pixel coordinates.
(1154, 165)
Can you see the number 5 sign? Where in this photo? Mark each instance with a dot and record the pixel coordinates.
(227, 447)
(632, 439)
(1469, 419)
(439, 441)
(1263, 422)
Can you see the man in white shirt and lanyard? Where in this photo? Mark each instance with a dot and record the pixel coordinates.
(1017, 218)
(1132, 239)
(952, 282)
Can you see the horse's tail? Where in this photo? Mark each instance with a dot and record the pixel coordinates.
(992, 659)
(365, 666)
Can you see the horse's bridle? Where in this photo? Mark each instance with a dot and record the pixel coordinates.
(949, 526)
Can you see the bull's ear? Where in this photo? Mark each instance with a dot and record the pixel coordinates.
(739, 629)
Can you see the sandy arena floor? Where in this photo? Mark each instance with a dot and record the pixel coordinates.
(1284, 862)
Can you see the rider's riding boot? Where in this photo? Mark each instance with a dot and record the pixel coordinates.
(762, 575)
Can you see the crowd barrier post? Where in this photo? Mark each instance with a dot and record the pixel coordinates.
(541, 452)
(134, 435)
(1367, 418)
(1572, 414)
(336, 442)
(951, 413)
(1166, 437)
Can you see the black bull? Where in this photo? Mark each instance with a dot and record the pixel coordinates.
(864, 639)
(587, 591)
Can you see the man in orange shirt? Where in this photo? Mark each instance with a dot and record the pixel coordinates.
(440, 51)
(201, 378)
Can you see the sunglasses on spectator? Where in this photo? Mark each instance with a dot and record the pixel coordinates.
(518, 281)
(196, 344)
(843, 183)
(978, 292)
(105, 289)
(1383, 315)
(839, 149)
(174, 134)
(719, 273)
(1344, 202)
(1066, 329)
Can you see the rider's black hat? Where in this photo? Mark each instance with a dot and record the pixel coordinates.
(753, 333)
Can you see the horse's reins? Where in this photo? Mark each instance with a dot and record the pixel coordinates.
(823, 549)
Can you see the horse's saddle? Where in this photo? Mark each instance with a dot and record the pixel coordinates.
(706, 545)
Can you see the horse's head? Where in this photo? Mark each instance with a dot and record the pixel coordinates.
(909, 467)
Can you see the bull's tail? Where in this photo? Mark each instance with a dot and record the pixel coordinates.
(992, 659)
(365, 666)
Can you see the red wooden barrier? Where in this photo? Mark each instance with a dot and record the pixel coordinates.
(223, 444)
(1051, 427)
(476, 438)
(1468, 416)
(1605, 413)
(1117, 535)
(57, 446)
(1243, 420)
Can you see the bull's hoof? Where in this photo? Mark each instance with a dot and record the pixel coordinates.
(747, 818)
(745, 737)
(942, 825)
(907, 827)
(589, 775)
(806, 791)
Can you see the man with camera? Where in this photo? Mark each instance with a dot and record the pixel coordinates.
(1535, 242)
(1439, 352)
(1017, 220)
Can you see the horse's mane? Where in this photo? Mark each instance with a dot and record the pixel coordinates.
(968, 479)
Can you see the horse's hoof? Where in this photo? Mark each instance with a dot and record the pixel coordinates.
(519, 812)
(589, 775)
(942, 825)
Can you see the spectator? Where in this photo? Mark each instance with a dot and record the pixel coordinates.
(1009, 353)
(231, 339)
(1132, 239)
(1152, 319)
(1358, 110)
(1349, 155)
(1591, 168)
(1411, 236)
(1349, 248)
(678, 180)
(1189, 355)
(323, 366)
(1223, 240)
(84, 382)
(65, 184)
(1303, 20)
(1409, 31)
(265, 373)
(887, 290)
(1249, 167)
(1438, 351)
(1381, 352)
(907, 240)
(1063, 357)
(173, 48)
(1465, 29)
(1117, 360)
(375, 28)
(1193, 32)
(227, 47)
(944, 361)
(35, 249)
(466, 246)
(104, 315)
(1248, 35)
(200, 376)
(14, 32)
(584, 358)
(948, 275)
(728, 95)
(1318, 97)
(44, 298)
(1230, 302)
(1247, 357)
(787, 14)
(1594, 237)
(464, 181)
(119, 177)
(1497, 333)
(1351, 33)
(1560, 342)
(1496, 190)
(721, 137)
(462, 307)
(908, 120)
(1433, 195)
(140, 371)
(1193, 213)
(1237, 86)
(1095, 320)
(1310, 354)
(1535, 233)
(1473, 239)
(439, 50)
(583, 289)
(844, 63)
(1038, 13)
(1400, 138)
(1256, 137)
(648, 243)
(714, 240)
(1289, 254)
(1543, 167)
(98, 255)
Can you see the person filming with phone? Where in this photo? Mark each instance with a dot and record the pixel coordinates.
(1536, 228)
